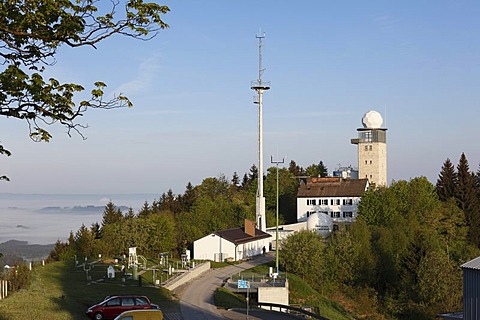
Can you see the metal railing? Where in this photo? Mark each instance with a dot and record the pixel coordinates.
(291, 310)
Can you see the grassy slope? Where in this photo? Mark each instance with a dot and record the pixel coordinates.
(59, 291)
(302, 294)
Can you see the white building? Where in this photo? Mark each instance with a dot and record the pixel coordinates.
(335, 196)
(233, 244)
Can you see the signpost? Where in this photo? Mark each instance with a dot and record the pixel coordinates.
(244, 284)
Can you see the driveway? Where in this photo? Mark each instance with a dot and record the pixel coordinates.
(196, 297)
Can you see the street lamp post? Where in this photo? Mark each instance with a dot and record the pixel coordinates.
(276, 224)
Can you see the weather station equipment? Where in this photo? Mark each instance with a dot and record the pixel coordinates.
(321, 223)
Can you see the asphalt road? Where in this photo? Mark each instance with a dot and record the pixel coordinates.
(196, 298)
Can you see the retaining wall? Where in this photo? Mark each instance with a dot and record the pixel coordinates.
(187, 276)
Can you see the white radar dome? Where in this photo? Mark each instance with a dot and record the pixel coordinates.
(372, 119)
(321, 223)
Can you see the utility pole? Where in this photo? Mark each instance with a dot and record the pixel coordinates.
(276, 230)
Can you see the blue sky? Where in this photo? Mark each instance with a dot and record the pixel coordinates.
(416, 62)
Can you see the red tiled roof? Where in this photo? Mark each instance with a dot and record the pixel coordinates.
(332, 187)
(238, 235)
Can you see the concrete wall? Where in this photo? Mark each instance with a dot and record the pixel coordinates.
(372, 162)
(277, 295)
(251, 249)
(187, 276)
(214, 248)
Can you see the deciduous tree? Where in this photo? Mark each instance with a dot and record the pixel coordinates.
(32, 31)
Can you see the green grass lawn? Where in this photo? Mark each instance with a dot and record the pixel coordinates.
(61, 291)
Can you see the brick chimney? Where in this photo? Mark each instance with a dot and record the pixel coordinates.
(250, 227)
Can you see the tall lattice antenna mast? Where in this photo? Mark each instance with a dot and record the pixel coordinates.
(260, 36)
(260, 86)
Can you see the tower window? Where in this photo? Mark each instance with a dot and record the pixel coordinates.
(370, 147)
(366, 161)
(366, 148)
(370, 161)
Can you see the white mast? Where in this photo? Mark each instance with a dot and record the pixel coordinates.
(260, 86)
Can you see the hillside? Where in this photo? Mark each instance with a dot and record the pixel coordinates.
(59, 292)
(13, 250)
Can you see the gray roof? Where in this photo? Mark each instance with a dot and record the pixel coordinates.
(472, 264)
(332, 187)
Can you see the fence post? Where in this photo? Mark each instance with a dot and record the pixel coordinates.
(3, 289)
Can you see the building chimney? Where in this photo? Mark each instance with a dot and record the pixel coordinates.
(250, 227)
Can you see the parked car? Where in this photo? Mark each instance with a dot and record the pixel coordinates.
(112, 306)
(140, 315)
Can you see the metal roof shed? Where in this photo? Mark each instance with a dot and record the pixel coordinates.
(471, 289)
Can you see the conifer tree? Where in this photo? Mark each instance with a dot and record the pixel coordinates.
(322, 169)
(235, 179)
(295, 169)
(446, 182)
(111, 214)
(130, 214)
(188, 198)
(467, 200)
(144, 211)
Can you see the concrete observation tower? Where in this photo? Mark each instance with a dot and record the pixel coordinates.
(260, 86)
(372, 149)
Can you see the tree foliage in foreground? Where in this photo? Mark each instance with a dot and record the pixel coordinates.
(404, 252)
(32, 31)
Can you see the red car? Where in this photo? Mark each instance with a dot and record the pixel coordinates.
(112, 306)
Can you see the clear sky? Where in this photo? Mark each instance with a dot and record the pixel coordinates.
(329, 62)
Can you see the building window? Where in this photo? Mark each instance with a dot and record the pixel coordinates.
(348, 214)
(325, 202)
(331, 202)
(336, 214)
(311, 202)
(366, 148)
(370, 161)
(366, 161)
(309, 213)
(337, 202)
(370, 147)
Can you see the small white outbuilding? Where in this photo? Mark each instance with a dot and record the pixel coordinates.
(232, 244)
(110, 272)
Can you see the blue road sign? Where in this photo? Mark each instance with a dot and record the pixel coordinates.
(243, 284)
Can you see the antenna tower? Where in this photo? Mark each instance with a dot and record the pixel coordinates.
(260, 86)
